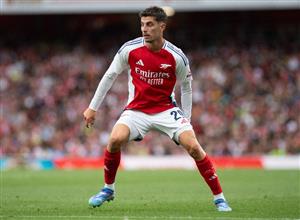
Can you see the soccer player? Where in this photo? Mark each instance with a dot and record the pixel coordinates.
(154, 64)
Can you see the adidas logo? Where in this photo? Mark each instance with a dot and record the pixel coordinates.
(140, 62)
(184, 121)
(214, 176)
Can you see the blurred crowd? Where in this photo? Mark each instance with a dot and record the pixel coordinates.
(246, 101)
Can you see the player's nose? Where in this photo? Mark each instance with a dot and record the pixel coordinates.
(144, 29)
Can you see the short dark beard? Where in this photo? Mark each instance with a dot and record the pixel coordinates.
(149, 41)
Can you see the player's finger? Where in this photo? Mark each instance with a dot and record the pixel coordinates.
(89, 122)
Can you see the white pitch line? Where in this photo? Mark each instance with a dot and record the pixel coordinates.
(142, 217)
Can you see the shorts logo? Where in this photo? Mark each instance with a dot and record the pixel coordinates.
(140, 62)
(184, 121)
(164, 66)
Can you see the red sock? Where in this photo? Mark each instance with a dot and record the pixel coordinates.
(208, 172)
(111, 164)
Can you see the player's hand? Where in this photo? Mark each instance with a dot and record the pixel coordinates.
(89, 117)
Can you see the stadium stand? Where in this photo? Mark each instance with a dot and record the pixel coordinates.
(246, 73)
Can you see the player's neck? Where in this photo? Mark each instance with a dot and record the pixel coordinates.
(155, 46)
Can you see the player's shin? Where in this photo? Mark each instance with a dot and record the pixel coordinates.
(111, 164)
(208, 172)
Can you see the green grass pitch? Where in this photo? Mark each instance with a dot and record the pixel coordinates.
(168, 194)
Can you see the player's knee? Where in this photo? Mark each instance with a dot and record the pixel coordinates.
(116, 141)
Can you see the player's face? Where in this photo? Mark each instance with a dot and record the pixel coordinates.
(152, 30)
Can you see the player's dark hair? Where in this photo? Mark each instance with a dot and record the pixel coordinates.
(158, 13)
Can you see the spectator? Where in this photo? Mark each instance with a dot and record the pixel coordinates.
(246, 101)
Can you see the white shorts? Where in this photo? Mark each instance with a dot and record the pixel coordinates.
(170, 122)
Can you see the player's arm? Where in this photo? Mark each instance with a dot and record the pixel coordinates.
(185, 76)
(186, 98)
(116, 67)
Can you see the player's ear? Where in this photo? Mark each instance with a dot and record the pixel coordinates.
(163, 26)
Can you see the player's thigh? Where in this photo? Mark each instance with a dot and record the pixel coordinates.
(137, 122)
(172, 123)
